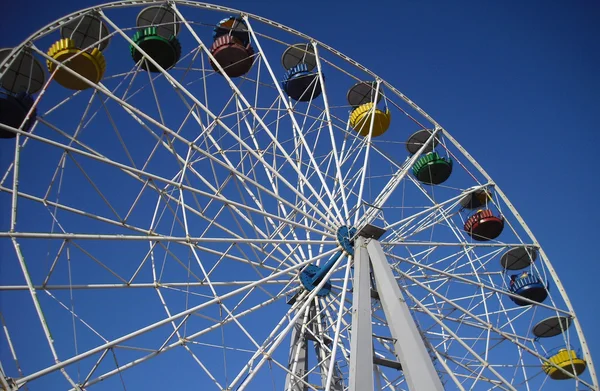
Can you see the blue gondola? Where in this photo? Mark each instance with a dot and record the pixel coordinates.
(13, 110)
(301, 84)
(528, 286)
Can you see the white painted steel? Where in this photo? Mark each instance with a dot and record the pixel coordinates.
(410, 348)
(361, 339)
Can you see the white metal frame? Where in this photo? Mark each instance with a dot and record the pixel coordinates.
(321, 197)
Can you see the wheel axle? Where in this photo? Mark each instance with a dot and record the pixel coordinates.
(312, 275)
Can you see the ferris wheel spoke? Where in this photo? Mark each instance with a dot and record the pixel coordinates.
(300, 188)
(21, 261)
(338, 172)
(472, 373)
(393, 183)
(182, 342)
(434, 215)
(296, 126)
(255, 115)
(63, 102)
(154, 94)
(344, 153)
(371, 117)
(60, 165)
(274, 188)
(55, 205)
(329, 318)
(271, 193)
(164, 284)
(454, 244)
(427, 223)
(442, 208)
(324, 315)
(40, 314)
(555, 278)
(502, 310)
(137, 112)
(12, 352)
(62, 364)
(443, 362)
(95, 187)
(276, 341)
(204, 368)
(150, 236)
(319, 195)
(319, 326)
(480, 284)
(133, 171)
(245, 376)
(461, 238)
(246, 218)
(424, 257)
(76, 316)
(256, 254)
(471, 315)
(484, 364)
(338, 324)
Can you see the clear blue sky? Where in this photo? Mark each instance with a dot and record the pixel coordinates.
(514, 81)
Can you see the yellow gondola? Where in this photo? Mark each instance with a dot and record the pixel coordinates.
(567, 360)
(90, 65)
(360, 120)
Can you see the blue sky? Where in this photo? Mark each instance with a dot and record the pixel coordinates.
(515, 82)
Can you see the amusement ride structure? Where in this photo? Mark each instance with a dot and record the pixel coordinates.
(200, 197)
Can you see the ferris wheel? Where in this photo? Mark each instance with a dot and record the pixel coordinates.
(198, 197)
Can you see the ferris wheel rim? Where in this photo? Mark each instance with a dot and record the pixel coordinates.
(50, 27)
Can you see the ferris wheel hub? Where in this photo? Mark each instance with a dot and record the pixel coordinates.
(307, 278)
(312, 275)
(345, 236)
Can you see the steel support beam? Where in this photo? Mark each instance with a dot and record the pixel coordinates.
(361, 338)
(298, 361)
(306, 328)
(384, 362)
(323, 355)
(409, 347)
